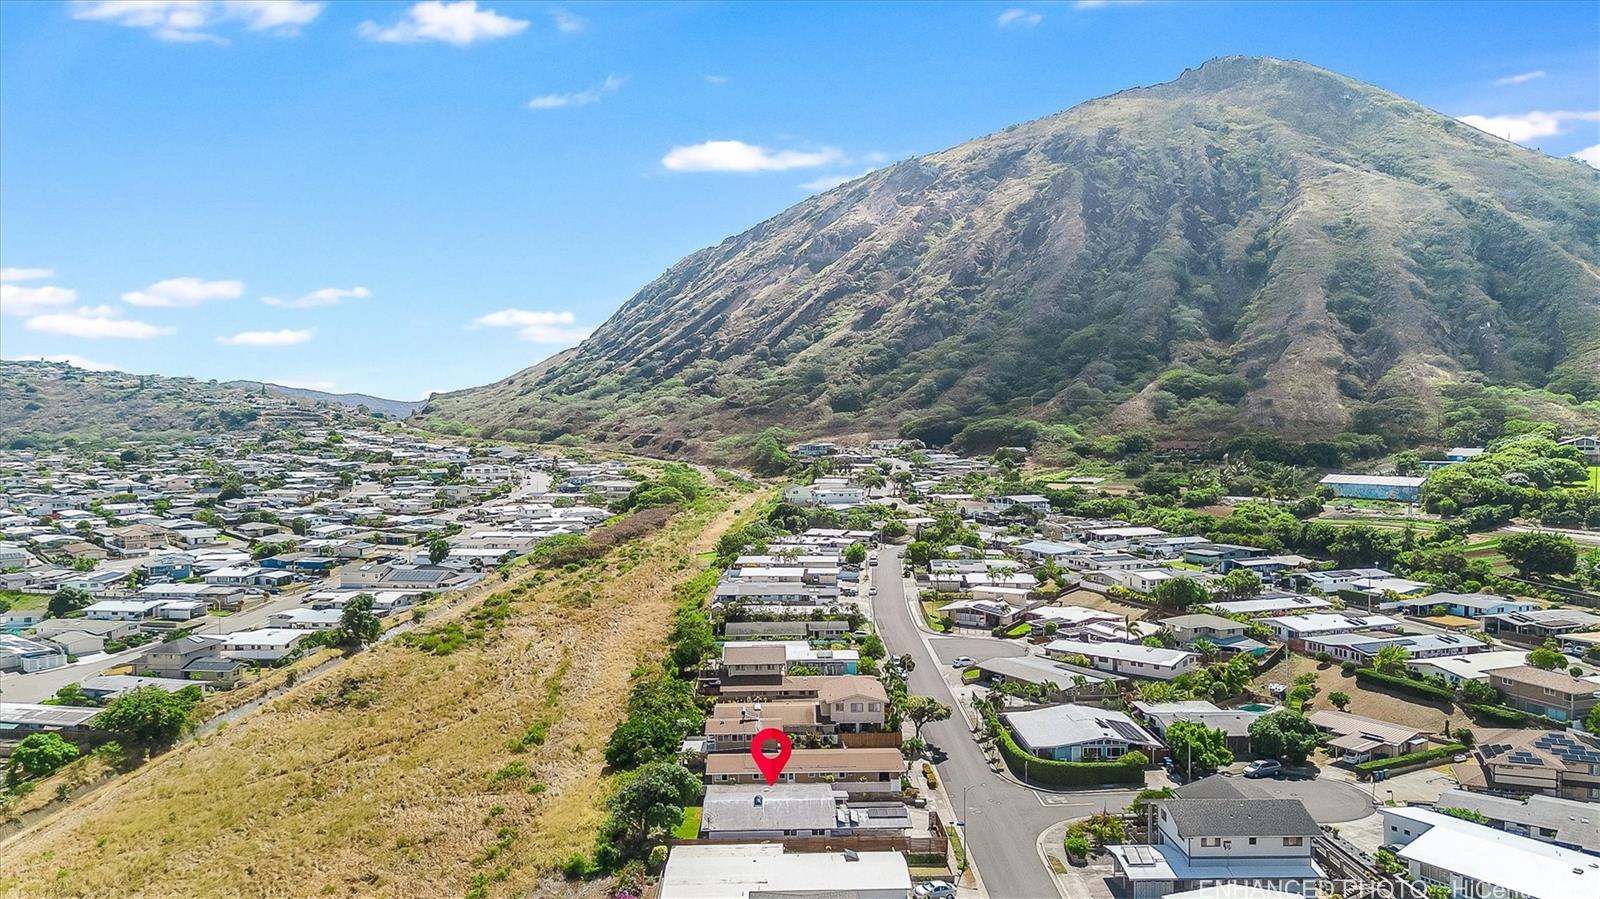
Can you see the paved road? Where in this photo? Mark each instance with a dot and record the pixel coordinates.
(1004, 819)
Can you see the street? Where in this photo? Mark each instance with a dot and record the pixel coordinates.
(1004, 819)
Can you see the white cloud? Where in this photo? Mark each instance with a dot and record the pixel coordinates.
(1529, 125)
(177, 293)
(327, 296)
(738, 156)
(1520, 78)
(71, 359)
(1101, 4)
(17, 300)
(1018, 18)
(534, 326)
(94, 323)
(460, 23)
(1591, 155)
(194, 21)
(286, 337)
(716, 79)
(829, 182)
(568, 23)
(10, 275)
(592, 94)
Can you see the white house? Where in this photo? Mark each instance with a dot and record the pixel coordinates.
(1128, 659)
(1474, 860)
(268, 644)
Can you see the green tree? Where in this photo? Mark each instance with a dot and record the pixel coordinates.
(358, 624)
(1391, 659)
(920, 710)
(1240, 583)
(1547, 656)
(1540, 553)
(652, 799)
(919, 552)
(1179, 593)
(1591, 721)
(855, 554)
(1196, 747)
(661, 712)
(769, 457)
(1284, 734)
(438, 550)
(1340, 699)
(692, 639)
(149, 715)
(38, 755)
(68, 600)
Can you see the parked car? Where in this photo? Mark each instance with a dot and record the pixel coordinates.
(874, 590)
(963, 662)
(1264, 768)
(935, 889)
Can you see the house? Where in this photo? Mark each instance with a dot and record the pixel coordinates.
(1032, 502)
(82, 636)
(1457, 670)
(1473, 860)
(1234, 723)
(1060, 680)
(854, 703)
(1272, 604)
(1261, 842)
(27, 656)
(1362, 739)
(766, 871)
(1568, 824)
(1363, 648)
(1464, 605)
(306, 619)
(1398, 488)
(105, 687)
(1554, 694)
(136, 540)
(830, 492)
(762, 812)
(1534, 627)
(1078, 733)
(1217, 555)
(20, 719)
(121, 610)
(1128, 659)
(1294, 629)
(169, 659)
(732, 725)
(855, 771)
(262, 645)
(980, 613)
(757, 658)
(1226, 635)
(1520, 762)
(82, 549)
(1588, 444)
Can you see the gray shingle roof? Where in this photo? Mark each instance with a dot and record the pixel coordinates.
(1240, 817)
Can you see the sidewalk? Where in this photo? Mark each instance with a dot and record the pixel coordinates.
(1071, 882)
(969, 885)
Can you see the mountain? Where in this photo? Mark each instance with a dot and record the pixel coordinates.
(1258, 245)
(391, 408)
(44, 400)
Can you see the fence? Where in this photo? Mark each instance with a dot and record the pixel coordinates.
(869, 740)
(936, 843)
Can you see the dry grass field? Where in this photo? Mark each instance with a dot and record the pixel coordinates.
(397, 773)
(1369, 703)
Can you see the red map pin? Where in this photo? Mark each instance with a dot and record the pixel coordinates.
(771, 765)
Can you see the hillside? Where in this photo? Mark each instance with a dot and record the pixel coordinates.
(391, 408)
(1257, 245)
(44, 400)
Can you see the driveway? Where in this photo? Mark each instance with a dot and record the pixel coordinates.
(1328, 801)
(1004, 819)
(949, 648)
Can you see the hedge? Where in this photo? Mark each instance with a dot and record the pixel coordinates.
(1499, 714)
(1405, 684)
(1411, 758)
(1050, 771)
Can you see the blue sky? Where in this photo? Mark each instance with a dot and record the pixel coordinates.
(396, 198)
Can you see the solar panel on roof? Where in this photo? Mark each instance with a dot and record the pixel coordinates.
(886, 813)
(1126, 731)
(1141, 856)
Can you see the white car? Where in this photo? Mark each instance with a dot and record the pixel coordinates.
(935, 889)
(963, 662)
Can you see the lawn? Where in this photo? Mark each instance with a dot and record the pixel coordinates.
(930, 611)
(414, 787)
(17, 601)
(689, 827)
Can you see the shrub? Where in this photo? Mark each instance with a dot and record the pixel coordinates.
(1077, 846)
(1404, 685)
(1410, 758)
(658, 857)
(1498, 714)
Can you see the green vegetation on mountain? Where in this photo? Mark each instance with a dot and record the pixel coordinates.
(1259, 245)
(42, 403)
